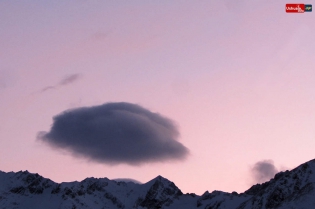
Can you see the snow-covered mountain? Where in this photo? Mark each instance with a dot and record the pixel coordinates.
(287, 190)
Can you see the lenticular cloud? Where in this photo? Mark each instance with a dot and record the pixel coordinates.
(115, 133)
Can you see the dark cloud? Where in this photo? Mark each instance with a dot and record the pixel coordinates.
(116, 133)
(65, 81)
(263, 171)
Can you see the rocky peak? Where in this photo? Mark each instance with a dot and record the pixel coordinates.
(288, 189)
(29, 183)
(284, 187)
(161, 193)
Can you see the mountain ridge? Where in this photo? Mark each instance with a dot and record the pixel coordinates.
(288, 189)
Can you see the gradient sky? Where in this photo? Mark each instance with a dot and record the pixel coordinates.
(237, 77)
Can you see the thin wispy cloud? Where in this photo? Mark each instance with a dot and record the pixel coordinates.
(47, 88)
(69, 79)
(116, 133)
(65, 81)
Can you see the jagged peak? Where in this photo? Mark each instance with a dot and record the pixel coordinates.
(205, 193)
(285, 188)
(161, 179)
(308, 164)
(23, 172)
(300, 175)
(27, 173)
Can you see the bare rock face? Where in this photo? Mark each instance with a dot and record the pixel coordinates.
(161, 194)
(287, 190)
(32, 183)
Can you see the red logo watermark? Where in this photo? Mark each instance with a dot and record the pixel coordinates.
(295, 8)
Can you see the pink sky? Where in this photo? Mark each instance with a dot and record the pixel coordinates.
(238, 78)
